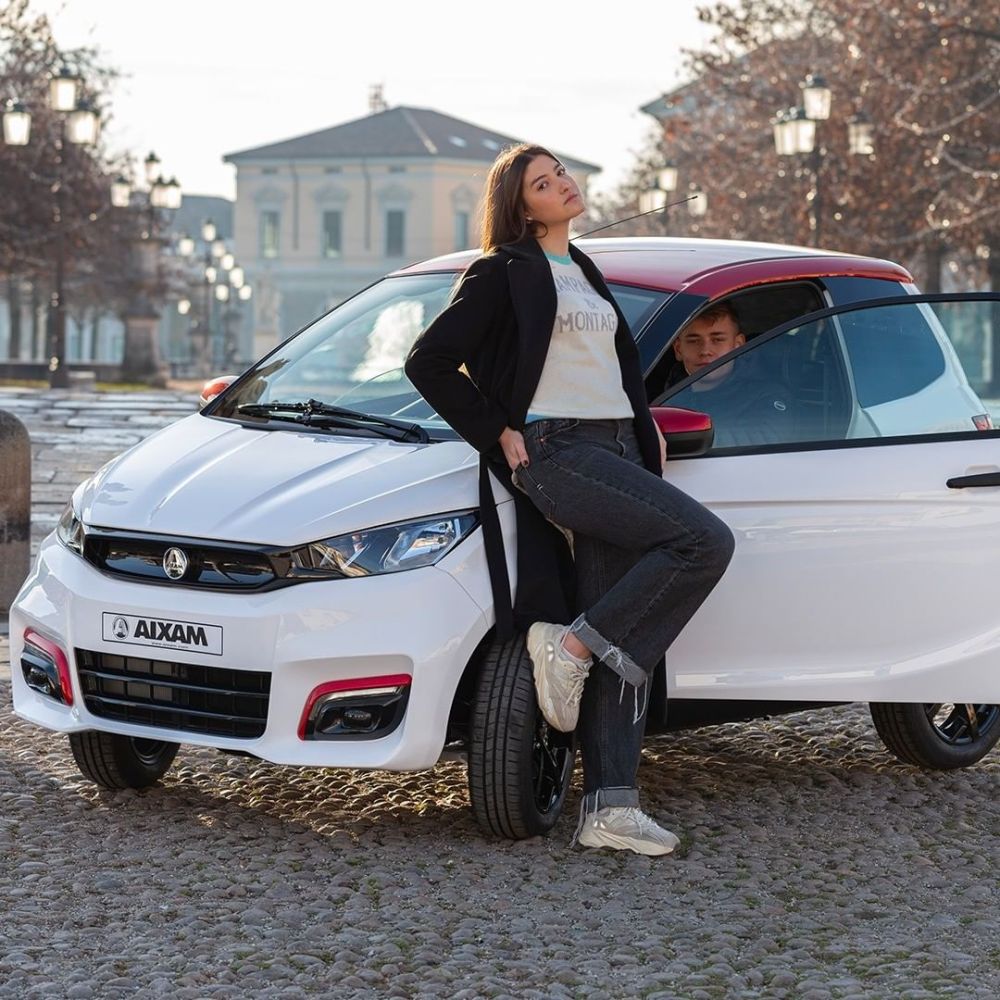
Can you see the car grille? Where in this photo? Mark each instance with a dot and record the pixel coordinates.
(215, 700)
(210, 565)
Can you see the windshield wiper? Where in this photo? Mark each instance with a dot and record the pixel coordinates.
(313, 413)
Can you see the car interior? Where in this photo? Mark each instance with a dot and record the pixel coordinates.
(806, 361)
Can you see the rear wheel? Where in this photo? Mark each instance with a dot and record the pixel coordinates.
(519, 767)
(939, 737)
(114, 761)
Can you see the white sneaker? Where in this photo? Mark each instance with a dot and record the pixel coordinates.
(626, 828)
(559, 677)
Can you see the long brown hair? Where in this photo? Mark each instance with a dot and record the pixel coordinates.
(503, 211)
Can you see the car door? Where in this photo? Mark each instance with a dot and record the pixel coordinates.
(856, 462)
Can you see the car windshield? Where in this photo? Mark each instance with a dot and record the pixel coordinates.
(353, 356)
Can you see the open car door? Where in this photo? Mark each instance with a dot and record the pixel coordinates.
(855, 459)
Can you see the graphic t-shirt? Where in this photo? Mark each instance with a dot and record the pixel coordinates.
(581, 377)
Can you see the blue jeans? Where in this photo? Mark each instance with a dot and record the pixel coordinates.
(647, 555)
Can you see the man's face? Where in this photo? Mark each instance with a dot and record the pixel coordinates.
(702, 341)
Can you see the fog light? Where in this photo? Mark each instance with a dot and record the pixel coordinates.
(360, 708)
(45, 668)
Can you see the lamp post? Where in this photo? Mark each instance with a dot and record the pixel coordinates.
(658, 195)
(795, 134)
(141, 360)
(78, 125)
(223, 287)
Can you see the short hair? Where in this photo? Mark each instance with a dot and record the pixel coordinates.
(718, 310)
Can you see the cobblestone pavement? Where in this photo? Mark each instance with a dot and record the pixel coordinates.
(812, 866)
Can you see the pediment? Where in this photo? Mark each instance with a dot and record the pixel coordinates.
(332, 194)
(394, 193)
(464, 197)
(270, 193)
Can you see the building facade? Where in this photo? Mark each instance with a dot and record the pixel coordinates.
(322, 215)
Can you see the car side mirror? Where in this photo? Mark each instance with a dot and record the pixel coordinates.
(213, 387)
(687, 432)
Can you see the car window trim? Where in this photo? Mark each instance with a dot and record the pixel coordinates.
(838, 444)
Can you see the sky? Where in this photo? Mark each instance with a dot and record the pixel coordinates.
(202, 78)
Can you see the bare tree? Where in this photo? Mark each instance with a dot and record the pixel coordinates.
(925, 74)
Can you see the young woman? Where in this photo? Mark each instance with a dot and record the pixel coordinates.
(533, 363)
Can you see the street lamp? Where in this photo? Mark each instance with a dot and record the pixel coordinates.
(795, 135)
(141, 359)
(698, 205)
(816, 97)
(63, 87)
(860, 135)
(223, 288)
(16, 124)
(78, 125)
(655, 198)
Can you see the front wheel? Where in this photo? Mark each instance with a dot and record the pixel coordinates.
(114, 761)
(938, 737)
(519, 767)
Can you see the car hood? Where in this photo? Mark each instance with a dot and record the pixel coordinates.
(203, 477)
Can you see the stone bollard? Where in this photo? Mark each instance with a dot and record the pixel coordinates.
(15, 507)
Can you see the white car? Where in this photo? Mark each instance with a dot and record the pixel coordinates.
(297, 572)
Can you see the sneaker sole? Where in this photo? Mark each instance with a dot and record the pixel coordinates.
(626, 844)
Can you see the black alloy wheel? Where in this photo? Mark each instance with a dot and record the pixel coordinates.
(552, 757)
(937, 736)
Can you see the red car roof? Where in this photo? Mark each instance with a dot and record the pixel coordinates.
(704, 267)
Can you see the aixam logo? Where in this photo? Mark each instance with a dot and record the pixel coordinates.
(120, 628)
(175, 563)
(157, 631)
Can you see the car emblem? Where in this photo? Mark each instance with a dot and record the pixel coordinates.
(120, 628)
(175, 563)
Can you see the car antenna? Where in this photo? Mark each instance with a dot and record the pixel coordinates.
(618, 222)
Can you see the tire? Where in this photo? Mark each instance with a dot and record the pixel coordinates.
(519, 767)
(939, 737)
(114, 761)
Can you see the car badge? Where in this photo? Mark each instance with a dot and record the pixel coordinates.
(120, 628)
(175, 563)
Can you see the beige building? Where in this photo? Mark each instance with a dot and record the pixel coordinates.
(322, 215)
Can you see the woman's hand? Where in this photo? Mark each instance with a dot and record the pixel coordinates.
(512, 443)
(663, 448)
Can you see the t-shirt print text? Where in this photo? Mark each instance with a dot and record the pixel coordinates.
(598, 315)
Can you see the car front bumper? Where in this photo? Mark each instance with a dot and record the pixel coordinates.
(420, 623)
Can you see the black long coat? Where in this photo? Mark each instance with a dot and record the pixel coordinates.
(498, 324)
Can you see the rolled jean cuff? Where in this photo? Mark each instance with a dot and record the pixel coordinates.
(617, 659)
(609, 798)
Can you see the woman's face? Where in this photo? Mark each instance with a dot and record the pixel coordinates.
(550, 194)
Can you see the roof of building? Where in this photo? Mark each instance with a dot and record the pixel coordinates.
(401, 131)
(196, 208)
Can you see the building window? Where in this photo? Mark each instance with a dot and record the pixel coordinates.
(270, 220)
(333, 170)
(332, 233)
(461, 230)
(397, 169)
(395, 232)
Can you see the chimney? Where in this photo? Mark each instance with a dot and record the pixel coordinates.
(376, 100)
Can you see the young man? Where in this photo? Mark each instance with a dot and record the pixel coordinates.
(745, 408)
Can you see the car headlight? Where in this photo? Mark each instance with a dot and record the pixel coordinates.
(69, 531)
(390, 548)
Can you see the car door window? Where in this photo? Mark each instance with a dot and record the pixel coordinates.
(904, 368)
